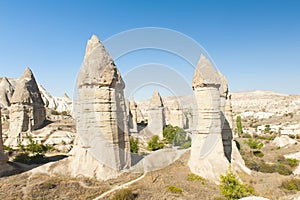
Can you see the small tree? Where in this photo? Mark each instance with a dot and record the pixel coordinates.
(134, 145)
(239, 125)
(232, 188)
(154, 144)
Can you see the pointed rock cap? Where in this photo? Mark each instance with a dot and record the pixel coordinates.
(156, 101)
(205, 74)
(132, 104)
(98, 68)
(27, 74)
(6, 92)
(92, 43)
(27, 91)
(224, 85)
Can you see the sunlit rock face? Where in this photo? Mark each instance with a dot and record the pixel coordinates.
(207, 153)
(156, 115)
(3, 157)
(27, 111)
(100, 113)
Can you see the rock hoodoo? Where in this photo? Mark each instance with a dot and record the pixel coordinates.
(176, 115)
(133, 116)
(102, 148)
(27, 111)
(156, 115)
(207, 153)
(3, 157)
(6, 92)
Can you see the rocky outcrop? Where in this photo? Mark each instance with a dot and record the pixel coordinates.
(6, 92)
(102, 148)
(133, 116)
(226, 116)
(176, 115)
(3, 157)
(207, 153)
(156, 115)
(27, 111)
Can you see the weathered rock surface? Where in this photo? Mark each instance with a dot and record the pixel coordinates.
(207, 153)
(27, 111)
(6, 92)
(156, 115)
(3, 157)
(133, 116)
(283, 141)
(176, 115)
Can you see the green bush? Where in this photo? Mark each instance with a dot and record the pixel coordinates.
(54, 112)
(134, 145)
(65, 113)
(291, 184)
(154, 144)
(124, 194)
(239, 125)
(7, 148)
(175, 189)
(258, 153)
(176, 136)
(292, 162)
(232, 188)
(194, 177)
(254, 143)
(169, 133)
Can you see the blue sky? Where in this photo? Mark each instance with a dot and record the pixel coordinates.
(254, 43)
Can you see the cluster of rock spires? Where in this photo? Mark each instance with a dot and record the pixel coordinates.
(26, 108)
(104, 120)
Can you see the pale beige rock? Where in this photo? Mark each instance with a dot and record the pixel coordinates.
(176, 115)
(100, 113)
(207, 153)
(6, 92)
(27, 111)
(133, 116)
(3, 157)
(156, 115)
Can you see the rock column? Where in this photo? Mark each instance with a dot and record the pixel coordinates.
(156, 116)
(207, 154)
(176, 115)
(100, 113)
(3, 157)
(133, 116)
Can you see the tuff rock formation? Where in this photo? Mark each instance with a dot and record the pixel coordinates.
(226, 116)
(3, 157)
(156, 115)
(102, 147)
(27, 111)
(176, 115)
(207, 153)
(6, 92)
(133, 116)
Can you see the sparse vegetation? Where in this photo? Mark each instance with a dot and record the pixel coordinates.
(154, 144)
(254, 143)
(239, 125)
(134, 145)
(232, 188)
(124, 194)
(194, 177)
(291, 184)
(175, 189)
(176, 136)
